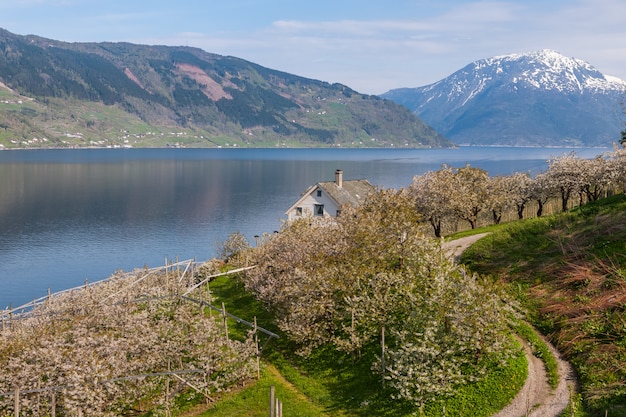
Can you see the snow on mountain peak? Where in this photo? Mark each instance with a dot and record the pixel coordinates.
(546, 69)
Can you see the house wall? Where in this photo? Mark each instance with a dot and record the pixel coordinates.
(308, 206)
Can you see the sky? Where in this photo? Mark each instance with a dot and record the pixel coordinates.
(372, 46)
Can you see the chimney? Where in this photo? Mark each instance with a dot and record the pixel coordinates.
(339, 178)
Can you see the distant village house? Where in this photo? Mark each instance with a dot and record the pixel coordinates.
(325, 199)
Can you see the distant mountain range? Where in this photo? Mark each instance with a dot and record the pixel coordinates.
(533, 99)
(58, 94)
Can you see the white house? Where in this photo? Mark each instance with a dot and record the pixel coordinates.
(326, 198)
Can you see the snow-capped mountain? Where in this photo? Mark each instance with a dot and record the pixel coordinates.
(541, 98)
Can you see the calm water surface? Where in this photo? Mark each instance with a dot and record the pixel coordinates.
(71, 215)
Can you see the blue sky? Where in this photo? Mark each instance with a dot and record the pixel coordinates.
(371, 46)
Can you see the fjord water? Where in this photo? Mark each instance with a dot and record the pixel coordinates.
(71, 215)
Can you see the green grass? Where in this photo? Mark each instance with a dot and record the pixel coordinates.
(490, 395)
(254, 400)
(540, 349)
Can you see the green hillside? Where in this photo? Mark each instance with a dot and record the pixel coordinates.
(570, 271)
(118, 94)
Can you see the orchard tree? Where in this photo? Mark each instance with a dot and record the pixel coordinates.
(469, 193)
(235, 245)
(291, 266)
(436, 345)
(596, 178)
(431, 195)
(503, 194)
(541, 190)
(522, 192)
(564, 175)
(616, 168)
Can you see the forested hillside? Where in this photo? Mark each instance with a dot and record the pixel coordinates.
(118, 94)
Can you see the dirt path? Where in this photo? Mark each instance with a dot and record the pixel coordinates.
(456, 247)
(536, 398)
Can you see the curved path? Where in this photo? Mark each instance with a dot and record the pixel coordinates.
(536, 398)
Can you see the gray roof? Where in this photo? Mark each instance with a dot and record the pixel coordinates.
(352, 192)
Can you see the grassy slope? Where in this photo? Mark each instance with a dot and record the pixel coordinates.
(570, 270)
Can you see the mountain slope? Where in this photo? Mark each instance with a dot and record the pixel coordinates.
(541, 98)
(117, 94)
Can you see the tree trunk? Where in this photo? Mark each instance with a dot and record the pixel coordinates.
(564, 199)
(497, 217)
(436, 224)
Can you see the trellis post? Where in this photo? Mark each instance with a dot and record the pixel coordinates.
(225, 323)
(208, 290)
(256, 346)
(382, 342)
(168, 412)
(17, 402)
(279, 408)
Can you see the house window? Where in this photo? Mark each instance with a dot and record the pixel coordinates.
(298, 211)
(319, 210)
(319, 193)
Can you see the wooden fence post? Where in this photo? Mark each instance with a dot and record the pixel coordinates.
(225, 323)
(256, 347)
(53, 405)
(209, 300)
(272, 402)
(279, 408)
(168, 412)
(382, 343)
(17, 402)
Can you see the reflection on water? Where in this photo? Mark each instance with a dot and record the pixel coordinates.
(71, 215)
